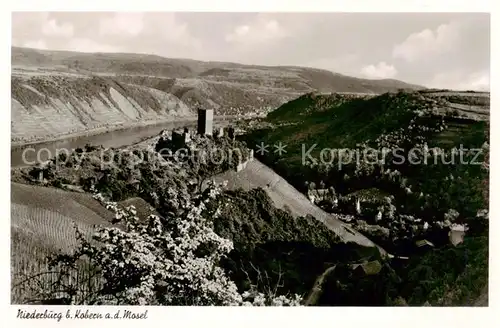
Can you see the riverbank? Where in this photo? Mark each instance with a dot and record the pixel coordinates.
(19, 145)
(29, 154)
(97, 131)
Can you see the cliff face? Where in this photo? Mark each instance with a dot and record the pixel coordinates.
(45, 107)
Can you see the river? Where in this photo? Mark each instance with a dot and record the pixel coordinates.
(36, 153)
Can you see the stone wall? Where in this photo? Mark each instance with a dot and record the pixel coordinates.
(242, 165)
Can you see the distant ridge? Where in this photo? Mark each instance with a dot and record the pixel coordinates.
(131, 63)
(57, 93)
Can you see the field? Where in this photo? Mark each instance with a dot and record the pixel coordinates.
(43, 223)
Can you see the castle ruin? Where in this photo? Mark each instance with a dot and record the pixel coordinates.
(205, 121)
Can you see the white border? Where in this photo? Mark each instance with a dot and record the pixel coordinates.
(260, 5)
(242, 317)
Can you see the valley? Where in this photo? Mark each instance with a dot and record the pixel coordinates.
(115, 220)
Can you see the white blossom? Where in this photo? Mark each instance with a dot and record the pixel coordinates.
(451, 215)
(158, 262)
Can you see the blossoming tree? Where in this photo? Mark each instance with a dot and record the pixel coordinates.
(170, 260)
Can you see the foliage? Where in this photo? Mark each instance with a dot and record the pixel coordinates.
(237, 248)
(172, 260)
(250, 218)
(418, 195)
(449, 275)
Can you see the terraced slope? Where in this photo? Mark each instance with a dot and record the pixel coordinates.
(472, 105)
(50, 214)
(50, 106)
(43, 222)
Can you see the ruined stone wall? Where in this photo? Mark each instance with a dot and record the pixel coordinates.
(242, 165)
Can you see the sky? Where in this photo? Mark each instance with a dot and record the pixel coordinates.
(442, 50)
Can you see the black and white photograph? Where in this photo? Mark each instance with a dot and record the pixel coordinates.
(321, 159)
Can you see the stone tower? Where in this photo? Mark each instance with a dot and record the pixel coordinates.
(205, 121)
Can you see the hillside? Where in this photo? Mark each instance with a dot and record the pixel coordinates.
(281, 77)
(405, 169)
(55, 93)
(430, 217)
(313, 127)
(45, 107)
(356, 195)
(260, 232)
(284, 196)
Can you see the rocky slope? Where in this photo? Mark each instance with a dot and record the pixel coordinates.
(45, 107)
(55, 93)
